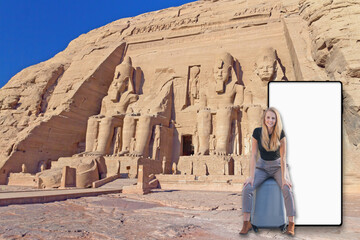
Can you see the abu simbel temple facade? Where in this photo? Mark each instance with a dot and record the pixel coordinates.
(172, 96)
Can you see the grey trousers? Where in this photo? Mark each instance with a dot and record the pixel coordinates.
(263, 170)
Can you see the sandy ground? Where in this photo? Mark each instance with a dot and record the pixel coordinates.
(160, 215)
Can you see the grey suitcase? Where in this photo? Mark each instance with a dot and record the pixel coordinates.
(268, 207)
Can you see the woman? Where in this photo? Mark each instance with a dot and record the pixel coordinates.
(270, 140)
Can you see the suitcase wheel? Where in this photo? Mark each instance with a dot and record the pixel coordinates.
(283, 228)
(256, 229)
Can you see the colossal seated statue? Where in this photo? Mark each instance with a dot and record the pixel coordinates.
(121, 93)
(102, 130)
(143, 119)
(266, 68)
(223, 96)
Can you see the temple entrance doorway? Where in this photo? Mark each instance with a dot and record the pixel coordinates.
(188, 148)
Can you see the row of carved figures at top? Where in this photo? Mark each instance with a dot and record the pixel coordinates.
(164, 26)
(193, 20)
(129, 115)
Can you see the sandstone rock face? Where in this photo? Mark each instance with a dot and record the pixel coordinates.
(191, 81)
(335, 47)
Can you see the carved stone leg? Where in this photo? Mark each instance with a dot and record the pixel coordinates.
(143, 135)
(128, 133)
(106, 131)
(204, 128)
(223, 127)
(91, 134)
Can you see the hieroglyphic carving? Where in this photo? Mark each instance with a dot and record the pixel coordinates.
(164, 26)
(156, 41)
(252, 16)
(254, 11)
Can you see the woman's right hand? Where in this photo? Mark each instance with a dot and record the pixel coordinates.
(249, 180)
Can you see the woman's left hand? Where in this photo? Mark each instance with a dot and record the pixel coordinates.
(286, 182)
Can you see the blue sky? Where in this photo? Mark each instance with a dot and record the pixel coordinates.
(34, 31)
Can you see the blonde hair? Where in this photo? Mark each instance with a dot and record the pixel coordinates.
(274, 143)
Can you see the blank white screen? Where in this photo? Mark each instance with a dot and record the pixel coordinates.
(311, 114)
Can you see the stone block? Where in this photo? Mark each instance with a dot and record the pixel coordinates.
(142, 186)
(68, 178)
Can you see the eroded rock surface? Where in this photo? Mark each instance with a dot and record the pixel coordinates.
(177, 217)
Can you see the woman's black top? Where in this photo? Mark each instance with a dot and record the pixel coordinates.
(267, 155)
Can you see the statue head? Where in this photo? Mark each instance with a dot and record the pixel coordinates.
(222, 70)
(122, 79)
(265, 65)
